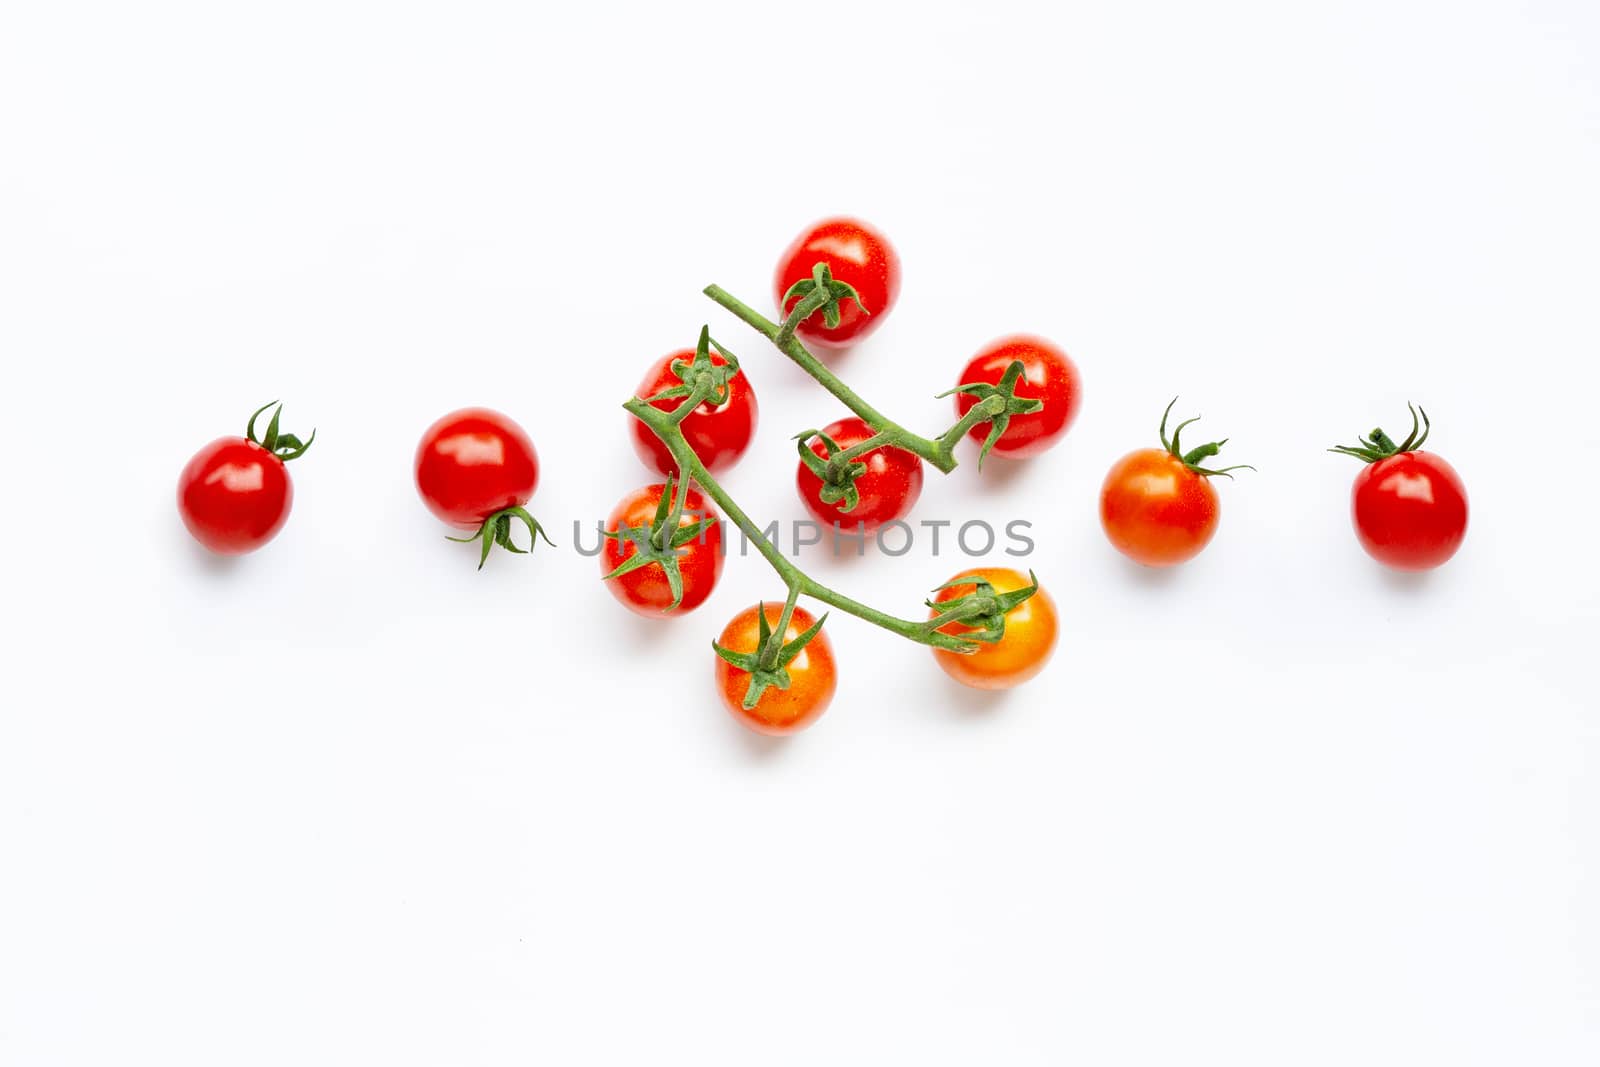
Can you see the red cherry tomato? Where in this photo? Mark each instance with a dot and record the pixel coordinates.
(235, 494)
(1410, 511)
(1409, 506)
(856, 254)
(718, 434)
(647, 590)
(1155, 510)
(1029, 639)
(1047, 375)
(812, 675)
(885, 491)
(473, 463)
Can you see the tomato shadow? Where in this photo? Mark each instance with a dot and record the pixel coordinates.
(846, 550)
(1407, 583)
(1000, 473)
(636, 630)
(1148, 577)
(759, 748)
(965, 702)
(209, 563)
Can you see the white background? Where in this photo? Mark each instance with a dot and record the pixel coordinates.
(349, 801)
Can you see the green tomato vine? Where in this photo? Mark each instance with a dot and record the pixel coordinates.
(982, 611)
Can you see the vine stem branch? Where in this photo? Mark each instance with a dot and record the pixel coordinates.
(798, 583)
(769, 655)
(802, 311)
(978, 413)
(939, 453)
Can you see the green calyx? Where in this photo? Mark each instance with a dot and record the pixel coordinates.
(838, 468)
(496, 530)
(700, 377)
(1192, 458)
(996, 404)
(1379, 445)
(285, 446)
(653, 544)
(983, 609)
(768, 665)
(820, 292)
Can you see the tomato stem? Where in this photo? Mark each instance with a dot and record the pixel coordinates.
(820, 292)
(496, 530)
(795, 580)
(995, 404)
(664, 532)
(769, 654)
(805, 309)
(840, 461)
(1379, 445)
(1192, 458)
(939, 453)
(285, 446)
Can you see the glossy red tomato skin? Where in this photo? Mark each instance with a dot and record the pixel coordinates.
(1155, 510)
(1048, 374)
(718, 434)
(1409, 510)
(472, 463)
(886, 490)
(646, 591)
(234, 496)
(856, 253)
(813, 675)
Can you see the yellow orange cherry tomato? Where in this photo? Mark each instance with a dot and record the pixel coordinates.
(812, 677)
(1029, 639)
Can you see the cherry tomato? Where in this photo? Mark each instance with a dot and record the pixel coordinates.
(474, 463)
(1409, 507)
(647, 590)
(885, 491)
(718, 433)
(1157, 511)
(235, 494)
(1047, 374)
(1157, 504)
(856, 254)
(1410, 511)
(1029, 639)
(812, 677)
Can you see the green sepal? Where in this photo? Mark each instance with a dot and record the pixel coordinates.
(1009, 403)
(825, 292)
(648, 548)
(983, 609)
(496, 530)
(689, 371)
(1192, 458)
(285, 446)
(1379, 445)
(768, 664)
(838, 485)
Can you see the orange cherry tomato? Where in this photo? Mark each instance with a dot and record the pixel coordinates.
(812, 677)
(1157, 505)
(1156, 510)
(1024, 650)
